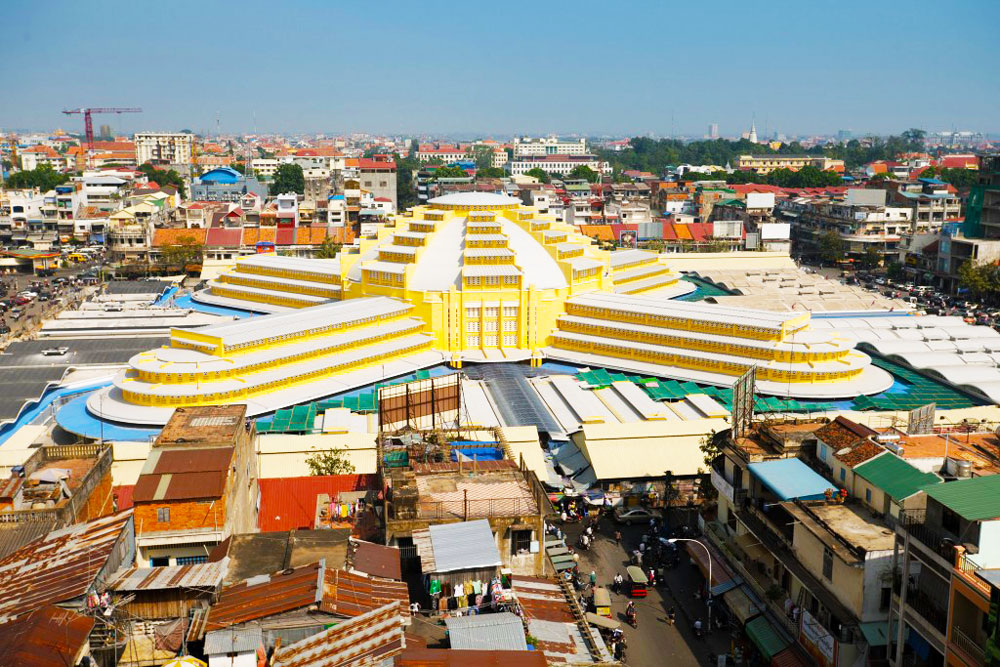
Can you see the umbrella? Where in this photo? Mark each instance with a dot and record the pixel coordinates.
(185, 661)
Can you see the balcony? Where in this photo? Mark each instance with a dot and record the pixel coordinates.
(933, 538)
(970, 647)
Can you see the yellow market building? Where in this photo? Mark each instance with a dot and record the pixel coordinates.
(470, 277)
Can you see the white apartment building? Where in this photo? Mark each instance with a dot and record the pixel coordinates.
(166, 147)
(445, 154)
(500, 158)
(265, 167)
(556, 164)
(525, 146)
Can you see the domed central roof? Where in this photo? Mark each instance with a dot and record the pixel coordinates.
(473, 199)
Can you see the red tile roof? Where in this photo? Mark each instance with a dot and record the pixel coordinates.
(369, 163)
(221, 237)
(290, 502)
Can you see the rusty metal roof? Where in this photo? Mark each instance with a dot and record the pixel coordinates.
(542, 599)
(200, 575)
(61, 566)
(371, 637)
(10, 486)
(267, 595)
(163, 461)
(376, 560)
(436, 657)
(49, 636)
(349, 594)
(183, 474)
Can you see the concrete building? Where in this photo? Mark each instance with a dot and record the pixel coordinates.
(556, 164)
(225, 184)
(552, 145)
(764, 164)
(939, 610)
(794, 531)
(378, 176)
(198, 486)
(506, 496)
(163, 147)
(978, 238)
(933, 202)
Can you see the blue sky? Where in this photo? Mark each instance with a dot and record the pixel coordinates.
(503, 67)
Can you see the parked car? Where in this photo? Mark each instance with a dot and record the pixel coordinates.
(16, 312)
(55, 351)
(628, 516)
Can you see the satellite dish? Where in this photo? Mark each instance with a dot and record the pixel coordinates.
(843, 451)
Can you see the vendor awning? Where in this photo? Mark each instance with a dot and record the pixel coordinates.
(790, 657)
(742, 603)
(766, 638)
(790, 478)
(877, 633)
(722, 579)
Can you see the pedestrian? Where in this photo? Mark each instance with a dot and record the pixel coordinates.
(593, 578)
(618, 537)
(652, 577)
(563, 516)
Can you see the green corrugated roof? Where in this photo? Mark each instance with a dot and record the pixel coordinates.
(895, 476)
(766, 638)
(973, 499)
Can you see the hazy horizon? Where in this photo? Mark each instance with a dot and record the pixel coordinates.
(439, 68)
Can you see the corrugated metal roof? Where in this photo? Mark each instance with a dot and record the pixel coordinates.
(287, 503)
(975, 499)
(189, 460)
(466, 545)
(499, 632)
(200, 575)
(231, 640)
(368, 639)
(49, 636)
(349, 594)
(61, 566)
(895, 476)
(377, 560)
(281, 592)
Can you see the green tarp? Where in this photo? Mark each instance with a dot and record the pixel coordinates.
(766, 638)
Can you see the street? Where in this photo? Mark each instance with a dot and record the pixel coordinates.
(654, 642)
(35, 312)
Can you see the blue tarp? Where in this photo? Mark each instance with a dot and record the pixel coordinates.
(790, 478)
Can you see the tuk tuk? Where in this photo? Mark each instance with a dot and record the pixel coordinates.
(606, 626)
(635, 584)
(602, 602)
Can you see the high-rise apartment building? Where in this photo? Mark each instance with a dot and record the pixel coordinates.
(163, 147)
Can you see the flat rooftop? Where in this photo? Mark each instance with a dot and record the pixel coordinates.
(851, 523)
(491, 488)
(982, 450)
(203, 426)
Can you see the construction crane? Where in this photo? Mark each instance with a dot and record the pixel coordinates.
(88, 122)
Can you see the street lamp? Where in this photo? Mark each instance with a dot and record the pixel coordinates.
(674, 540)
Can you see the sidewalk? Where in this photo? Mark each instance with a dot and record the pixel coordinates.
(681, 584)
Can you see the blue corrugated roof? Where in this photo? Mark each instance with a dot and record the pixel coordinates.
(468, 545)
(791, 478)
(932, 181)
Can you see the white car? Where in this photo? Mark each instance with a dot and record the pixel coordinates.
(55, 351)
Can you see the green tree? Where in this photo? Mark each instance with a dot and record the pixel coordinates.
(584, 172)
(483, 155)
(186, 251)
(710, 448)
(540, 174)
(982, 280)
(240, 167)
(960, 178)
(44, 178)
(330, 462)
(830, 246)
(914, 136)
(329, 249)
(490, 172)
(406, 189)
(450, 172)
(164, 177)
(871, 258)
(288, 178)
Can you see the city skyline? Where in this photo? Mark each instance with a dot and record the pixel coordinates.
(445, 69)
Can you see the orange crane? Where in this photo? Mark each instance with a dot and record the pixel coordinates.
(88, 122)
